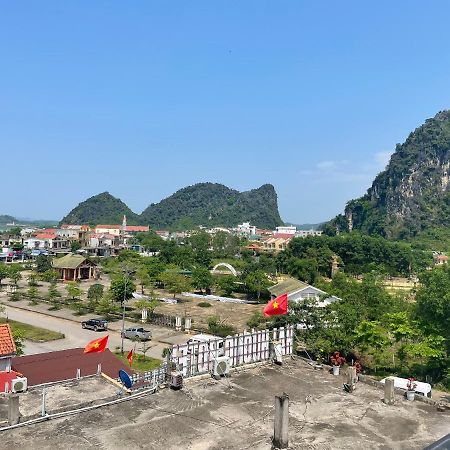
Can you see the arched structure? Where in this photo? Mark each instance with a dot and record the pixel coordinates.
(227, 266)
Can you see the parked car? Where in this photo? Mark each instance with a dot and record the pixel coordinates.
(137, 333)
(95, 324)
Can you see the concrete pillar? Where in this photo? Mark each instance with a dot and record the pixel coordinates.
(178, 323)
(187, 324)
(281, 422)
(13, 409)
(389, 394)
(351, 378)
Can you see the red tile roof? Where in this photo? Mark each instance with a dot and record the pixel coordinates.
(62, 365)
(115, 227)
(283, 236)
(137, 228)
(45, 236)
(7, 345)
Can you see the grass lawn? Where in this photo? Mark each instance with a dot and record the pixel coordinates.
(32, 333)
(141, 363)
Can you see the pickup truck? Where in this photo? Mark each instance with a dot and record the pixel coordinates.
(137, 333)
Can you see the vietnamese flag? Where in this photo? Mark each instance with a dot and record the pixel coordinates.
(97, 345)
(130, 357)
(277, 306)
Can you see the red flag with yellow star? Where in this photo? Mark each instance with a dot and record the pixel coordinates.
(130, 357)
(97, 345)
(277, 306)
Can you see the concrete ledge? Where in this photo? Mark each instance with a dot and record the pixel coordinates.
(421, 398)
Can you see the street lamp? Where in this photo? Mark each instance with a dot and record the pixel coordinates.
(127, 272)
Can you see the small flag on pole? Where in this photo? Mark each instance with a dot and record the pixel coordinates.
(97, 345)
(276, 306)
(130, 357)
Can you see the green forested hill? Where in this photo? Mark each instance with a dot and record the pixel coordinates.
(207, 204)
(213, 204)
(101, 209)
(4, 219)
(412, 195)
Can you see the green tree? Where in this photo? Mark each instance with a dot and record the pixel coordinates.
(4, 272)
(50, 276)
(122, 288)
(43, 263)
(33, 294)
(257, 282)
(53, 295)
(32, 279)
(75, 246)
(148, 304)
(105, 307)
(14, 275)
(433, 302)
(175, 283)
(73, 290)
(94, 294)
(200, 243)
(143, 277)
(226, 284)
(18, 340)
(202, 279)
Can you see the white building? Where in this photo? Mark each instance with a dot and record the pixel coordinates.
(245, 229)
(286, 230)
(305, 233)
(298, 291)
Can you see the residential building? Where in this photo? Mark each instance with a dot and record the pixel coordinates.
(276, 244)
(7, 352)
(298, 291)
(440, 259)
(286, 230)
(63, 365)
(305, 233)
(245, 229)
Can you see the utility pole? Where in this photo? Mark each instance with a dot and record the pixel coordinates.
(127, 271)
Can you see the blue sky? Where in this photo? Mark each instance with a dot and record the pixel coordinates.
(142, 98)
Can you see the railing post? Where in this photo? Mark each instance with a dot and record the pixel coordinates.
(281, 422)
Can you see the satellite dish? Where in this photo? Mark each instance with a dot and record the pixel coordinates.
(125, 379)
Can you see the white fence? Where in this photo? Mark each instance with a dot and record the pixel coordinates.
(245, 348)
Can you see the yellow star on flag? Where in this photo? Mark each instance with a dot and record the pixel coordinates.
(275, 305)
(96, 345)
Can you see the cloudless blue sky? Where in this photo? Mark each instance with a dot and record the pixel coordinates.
(141, 98)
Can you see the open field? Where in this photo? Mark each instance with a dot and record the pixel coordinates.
(233, 314)
(33, 333)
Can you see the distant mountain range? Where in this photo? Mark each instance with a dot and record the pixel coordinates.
(207, 204)
(6, 219)
(413, 194)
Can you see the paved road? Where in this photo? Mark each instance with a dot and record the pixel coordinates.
(78, 337)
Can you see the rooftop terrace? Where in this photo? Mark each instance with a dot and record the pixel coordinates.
(237, 413)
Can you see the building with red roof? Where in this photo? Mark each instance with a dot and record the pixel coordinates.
(7, 351)
(63, 365)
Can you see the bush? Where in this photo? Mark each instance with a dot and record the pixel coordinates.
(204, 305)
(218, 328)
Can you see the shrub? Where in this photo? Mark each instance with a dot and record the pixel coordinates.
(218, 328)
(204, 305)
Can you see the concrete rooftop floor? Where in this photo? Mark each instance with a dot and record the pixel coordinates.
(237, 413)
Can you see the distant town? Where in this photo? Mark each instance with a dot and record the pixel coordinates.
(106, 240)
